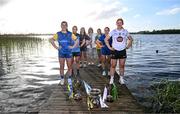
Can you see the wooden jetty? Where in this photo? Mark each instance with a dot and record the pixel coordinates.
(58, 103)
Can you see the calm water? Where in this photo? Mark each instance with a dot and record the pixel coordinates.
(29, 69)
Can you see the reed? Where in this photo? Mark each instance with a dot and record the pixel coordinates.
(167, 97)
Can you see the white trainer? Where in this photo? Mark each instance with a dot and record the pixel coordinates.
(62, 81)
(108, 73)
(111, 80)
(81, 65)
(84, 65)
(121, 80)
(104, 73)
(99, 65)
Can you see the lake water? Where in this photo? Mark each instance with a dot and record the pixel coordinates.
(29, 69)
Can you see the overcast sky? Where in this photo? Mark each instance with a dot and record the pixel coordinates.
(44, 16)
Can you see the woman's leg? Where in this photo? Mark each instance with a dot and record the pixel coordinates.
(103, 63)
(122, 66)
(89, 56)
(85, 58)
(99, 56)
(112, 70)
(121, 70)
(77, 58)
(108, 62)
(82, 59)
(72, 60)
(61, 64)
(69, 65)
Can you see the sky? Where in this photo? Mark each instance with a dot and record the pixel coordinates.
(45, 16)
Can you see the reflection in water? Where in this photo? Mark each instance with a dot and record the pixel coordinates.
(25, 64)
(28, 66)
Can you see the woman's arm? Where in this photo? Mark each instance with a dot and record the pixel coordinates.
(129, 43)
(98, 43)
(83, 42)
(88, 40)
(107, 42)
(52, 41)
(75, 44)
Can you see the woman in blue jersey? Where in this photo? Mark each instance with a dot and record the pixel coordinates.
(76, 51)
(105, 51)
(66, 43)
(121, 40)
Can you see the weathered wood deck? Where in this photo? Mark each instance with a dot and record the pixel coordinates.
(58, 103)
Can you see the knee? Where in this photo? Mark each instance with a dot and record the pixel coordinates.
(61, 68)
(122, 66)
(102, 59)
(113, 66)
(69, 67)
(77, 61)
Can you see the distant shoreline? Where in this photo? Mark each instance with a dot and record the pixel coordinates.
(167, 31)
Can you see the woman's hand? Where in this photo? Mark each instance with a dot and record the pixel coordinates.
(71, 47)
(111, 48)
(58, 48)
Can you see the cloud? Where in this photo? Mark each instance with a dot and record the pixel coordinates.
(3, 2)
(108, 10)
(136, 16)
(111, 12)
(171, 11)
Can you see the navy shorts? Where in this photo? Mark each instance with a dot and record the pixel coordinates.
(105, 51)
(83, 48)
(65, 55)
(76, 54)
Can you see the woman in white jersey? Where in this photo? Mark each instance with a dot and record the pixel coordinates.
(121, 40)
(91, 47)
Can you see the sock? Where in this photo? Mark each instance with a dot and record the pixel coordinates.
(121, 76)
(77, 70)
(61, 76)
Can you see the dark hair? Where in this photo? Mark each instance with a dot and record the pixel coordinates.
(64, 23)
(120, 19)
(84, 31)
(90, 29)
(107, 28)
(99, 30)
(74, 27)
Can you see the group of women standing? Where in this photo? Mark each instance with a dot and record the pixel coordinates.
(82, 49)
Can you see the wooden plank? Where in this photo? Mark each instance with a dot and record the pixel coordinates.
(58, 102)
